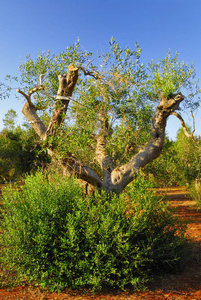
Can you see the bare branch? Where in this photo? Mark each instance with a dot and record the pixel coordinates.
(189, 135)
(37, 88)
(40, 79)
(30, 92)
(28, 98)
(193, 121)
(92, 74)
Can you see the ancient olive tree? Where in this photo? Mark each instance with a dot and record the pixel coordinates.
(104, 122)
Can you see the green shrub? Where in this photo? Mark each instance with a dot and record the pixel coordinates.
(167, 169)
(195, 191)
(54, 236)
(20, 153)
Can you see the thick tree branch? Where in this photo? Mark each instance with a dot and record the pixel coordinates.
(121, 176)
(105, 161)
(29, 110)
(66, 87)
(28, 98)
(71, 166)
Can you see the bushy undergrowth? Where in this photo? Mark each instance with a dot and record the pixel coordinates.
(54, 236)
(195, 191)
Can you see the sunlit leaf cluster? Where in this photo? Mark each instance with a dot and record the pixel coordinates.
(169, 76)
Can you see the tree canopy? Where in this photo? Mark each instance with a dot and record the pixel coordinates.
(106, 117)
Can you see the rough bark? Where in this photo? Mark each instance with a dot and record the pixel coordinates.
(66, 86)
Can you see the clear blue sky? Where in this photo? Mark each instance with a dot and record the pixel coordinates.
(32, 26)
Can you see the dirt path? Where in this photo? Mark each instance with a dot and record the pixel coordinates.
(172, 287)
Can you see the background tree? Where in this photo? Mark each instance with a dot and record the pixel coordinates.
(20, 150)
(167, 169)
(190, 156)
(10, 119)
(179, 162)
(112, 107)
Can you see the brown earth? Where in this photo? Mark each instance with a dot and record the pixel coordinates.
(186, 285)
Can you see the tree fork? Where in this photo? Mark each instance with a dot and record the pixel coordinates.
(113, 178)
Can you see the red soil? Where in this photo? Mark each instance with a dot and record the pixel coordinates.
(186, 285)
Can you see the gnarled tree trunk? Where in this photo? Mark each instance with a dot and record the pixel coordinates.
(113, 177)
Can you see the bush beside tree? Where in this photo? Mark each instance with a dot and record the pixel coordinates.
(57, 238)
(20, 153)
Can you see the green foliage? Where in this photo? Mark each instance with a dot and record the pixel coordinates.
(57, 238)
(195, 191)
(171, 76)
(9, 119)
(179, 162)
(20, 153)
(51, 66)
(118, 93)
(167, 169)
(189, 154)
